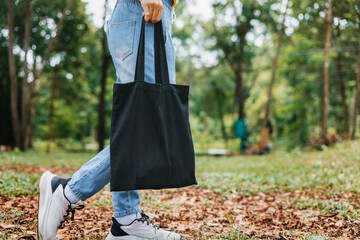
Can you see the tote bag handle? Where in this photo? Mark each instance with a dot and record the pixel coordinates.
(161, 67)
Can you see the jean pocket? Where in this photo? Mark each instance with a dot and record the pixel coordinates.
(121, 36)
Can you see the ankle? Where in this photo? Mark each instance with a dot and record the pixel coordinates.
(126, 220)
(70, 195)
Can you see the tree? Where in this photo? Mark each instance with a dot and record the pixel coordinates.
(346, 14)
(22, 123)
(104, 69)
(241, 29)
(51, 109)
(342, 87)
(265, 131)
(356, 96)
(325, 109)
(231, 38)
(312, 19)
(13, 76)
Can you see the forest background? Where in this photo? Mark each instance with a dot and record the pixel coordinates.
(292, 64)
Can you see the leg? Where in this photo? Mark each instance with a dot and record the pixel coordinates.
(123, 36)
(94, 175)
(54, 205)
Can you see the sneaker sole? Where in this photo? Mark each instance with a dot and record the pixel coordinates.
(111, 237)
(43, 205)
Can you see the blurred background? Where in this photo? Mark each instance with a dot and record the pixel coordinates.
(263, 75)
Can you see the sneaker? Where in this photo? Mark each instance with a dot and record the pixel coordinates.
(54, 207)
(140, 228)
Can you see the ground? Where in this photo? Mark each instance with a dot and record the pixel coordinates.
(297, 195)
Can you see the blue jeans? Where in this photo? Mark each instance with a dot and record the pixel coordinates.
(123, 33)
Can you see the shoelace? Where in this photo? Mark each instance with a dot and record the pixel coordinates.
(71, 208)
(145, 218)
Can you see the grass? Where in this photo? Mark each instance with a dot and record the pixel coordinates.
(14, 184)
(237, 234)
(308, 236)
(333, 171)
(57, 157)
(336, 170)
(346, 210)
(16, 217)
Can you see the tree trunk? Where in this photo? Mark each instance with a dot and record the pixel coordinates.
(237, 67)
(220, 98)
(29, 140)
(26, 94)
(274, 67)
(243, 29)
(105, 65)
(342, 90)
(221, 118)
(13, 75)
(83, 135)
(325, 110)
(29, 128)
(51, 111)
(101, 127)
(239, 80)
(356, 97)
(37, 72)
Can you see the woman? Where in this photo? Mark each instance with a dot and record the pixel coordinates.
(58, 196)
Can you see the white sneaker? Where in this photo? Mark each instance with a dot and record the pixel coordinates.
(140, 228)
(54, 207)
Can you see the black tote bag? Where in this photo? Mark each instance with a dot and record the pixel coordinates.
(151, 145)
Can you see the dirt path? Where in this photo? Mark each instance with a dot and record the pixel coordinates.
(195, 213)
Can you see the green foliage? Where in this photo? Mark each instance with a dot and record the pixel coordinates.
(332, 172)
(208, 53)
(38, 156)
(346, 210)
(15, 184)
(17, 217)
(296, 105)
(236, 234)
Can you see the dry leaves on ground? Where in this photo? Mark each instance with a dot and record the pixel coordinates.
(195, 213)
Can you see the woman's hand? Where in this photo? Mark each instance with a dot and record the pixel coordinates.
(152, 10)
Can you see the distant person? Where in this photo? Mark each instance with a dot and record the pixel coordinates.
(241, 133)
(59, 196)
